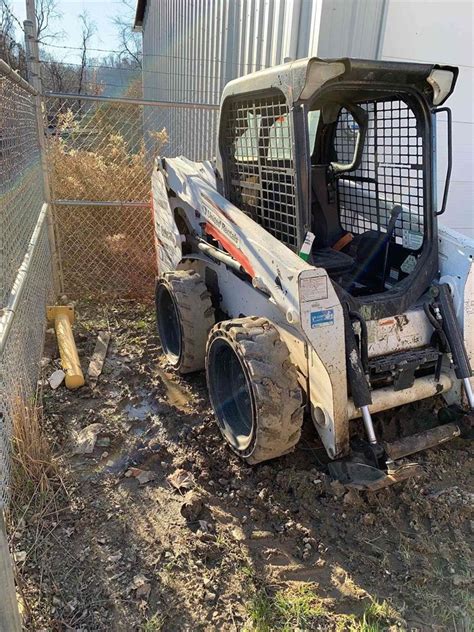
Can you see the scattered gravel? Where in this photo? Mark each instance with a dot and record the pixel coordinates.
(126, 549)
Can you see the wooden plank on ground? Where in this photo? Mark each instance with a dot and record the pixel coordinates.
(98, 357)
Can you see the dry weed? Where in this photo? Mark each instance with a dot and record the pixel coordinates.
(34, 467)
(38, 495)
(100, 155)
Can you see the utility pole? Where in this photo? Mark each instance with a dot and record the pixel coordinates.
(34, 77)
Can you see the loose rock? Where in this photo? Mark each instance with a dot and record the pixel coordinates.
(86, 439)
(192, 506)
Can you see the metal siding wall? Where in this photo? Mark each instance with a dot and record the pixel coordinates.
(442, 33)
(309, 28)
(192, 48)
(351, 28)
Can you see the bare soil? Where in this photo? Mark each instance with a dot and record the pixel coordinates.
(272, 547)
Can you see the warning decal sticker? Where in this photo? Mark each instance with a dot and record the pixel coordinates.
(313, 288)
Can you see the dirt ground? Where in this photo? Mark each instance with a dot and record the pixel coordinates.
(273, 547)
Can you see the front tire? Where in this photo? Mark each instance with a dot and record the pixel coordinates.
(254, 389)
(184, 316)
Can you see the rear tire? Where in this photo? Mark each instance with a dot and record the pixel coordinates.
(184, 315)
(254, 389)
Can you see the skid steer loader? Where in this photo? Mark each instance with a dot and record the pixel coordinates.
(305, 269)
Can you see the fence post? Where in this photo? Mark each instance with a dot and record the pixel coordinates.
(34, 77)
(9, 613)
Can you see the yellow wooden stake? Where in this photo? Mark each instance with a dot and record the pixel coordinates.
(63, 316)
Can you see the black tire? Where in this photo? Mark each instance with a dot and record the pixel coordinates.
(184, 316)
(253, 388)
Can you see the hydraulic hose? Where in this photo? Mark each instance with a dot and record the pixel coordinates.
(452, 331)
(355, 370)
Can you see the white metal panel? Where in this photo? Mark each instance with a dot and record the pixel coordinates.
(351, 28)
(442, 32)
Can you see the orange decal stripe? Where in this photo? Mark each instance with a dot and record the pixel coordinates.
(387, 322)
(231, 248)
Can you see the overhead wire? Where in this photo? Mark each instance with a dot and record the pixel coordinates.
(100, 84)
(137, 70)
(143, 55)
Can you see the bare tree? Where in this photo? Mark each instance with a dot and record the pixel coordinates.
(8, 45)
(89, 29)
(11, 49)
(58, 76)
(130, 42)
(46, 13)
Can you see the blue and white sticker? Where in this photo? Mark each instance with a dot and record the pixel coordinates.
(323, 318)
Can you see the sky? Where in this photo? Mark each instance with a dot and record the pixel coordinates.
(100, 12)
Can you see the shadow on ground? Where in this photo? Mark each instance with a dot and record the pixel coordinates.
(275, 547)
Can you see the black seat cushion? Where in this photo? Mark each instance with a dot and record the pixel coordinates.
(334, 262)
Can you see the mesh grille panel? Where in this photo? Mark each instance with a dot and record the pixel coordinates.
(25, 290)
(258, 146)
(391, 170)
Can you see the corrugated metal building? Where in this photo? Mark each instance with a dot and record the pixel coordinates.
(192, 48)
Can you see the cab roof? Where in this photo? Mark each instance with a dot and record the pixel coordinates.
(299, 80)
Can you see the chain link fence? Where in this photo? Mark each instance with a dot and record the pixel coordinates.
(74, 199)
(21, 184)
(26, 279)
(100, 156)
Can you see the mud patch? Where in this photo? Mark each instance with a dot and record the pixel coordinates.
(117, 553)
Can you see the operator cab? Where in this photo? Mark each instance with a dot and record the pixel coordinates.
(342, 149)
(368, 172)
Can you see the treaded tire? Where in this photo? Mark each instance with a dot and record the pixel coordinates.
(184, 315)
(273, 393)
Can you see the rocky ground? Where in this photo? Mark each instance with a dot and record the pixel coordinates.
(156, 525)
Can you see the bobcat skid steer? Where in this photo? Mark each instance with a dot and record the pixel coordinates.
(305, 268)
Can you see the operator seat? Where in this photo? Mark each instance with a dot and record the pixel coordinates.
(326, 225)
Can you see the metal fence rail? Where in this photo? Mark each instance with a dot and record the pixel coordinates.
(100, 155)
(23, 344)
(25, 258)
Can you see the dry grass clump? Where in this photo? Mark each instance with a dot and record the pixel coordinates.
(102, 156)
(37, 496)
(33, 468)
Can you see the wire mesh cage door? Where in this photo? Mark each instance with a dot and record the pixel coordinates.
(392, 171)
(257, 144)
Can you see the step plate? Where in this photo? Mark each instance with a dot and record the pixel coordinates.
(395, 361)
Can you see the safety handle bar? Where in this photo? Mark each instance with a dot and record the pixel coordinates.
(450, 158)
